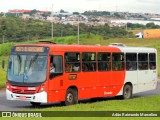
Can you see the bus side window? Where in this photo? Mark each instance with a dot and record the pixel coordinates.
(72, 62)
(143, 61)
(131, 61)
(152, 61)
(55, 66)
(104, 63)
(88, 61)
(118, 61)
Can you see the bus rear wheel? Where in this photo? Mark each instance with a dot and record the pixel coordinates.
(127, 91)
(71, 97)
(35, 103)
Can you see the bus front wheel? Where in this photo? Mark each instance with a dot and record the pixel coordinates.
(71, 97)
(127, 91)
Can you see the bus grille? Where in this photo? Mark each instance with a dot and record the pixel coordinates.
(18, 91)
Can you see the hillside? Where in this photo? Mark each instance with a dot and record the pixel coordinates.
(16, 29)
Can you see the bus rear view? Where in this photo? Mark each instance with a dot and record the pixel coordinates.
(27, 69)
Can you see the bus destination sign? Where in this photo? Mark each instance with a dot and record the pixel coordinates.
(29, 49)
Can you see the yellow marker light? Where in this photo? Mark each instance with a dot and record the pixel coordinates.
(72, 77)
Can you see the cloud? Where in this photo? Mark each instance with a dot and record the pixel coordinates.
(83, 5)
(94, 0)
(149, 1)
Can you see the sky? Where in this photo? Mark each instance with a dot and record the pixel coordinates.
(141, 6)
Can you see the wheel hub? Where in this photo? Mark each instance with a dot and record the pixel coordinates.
(127, 93)
(69, 97)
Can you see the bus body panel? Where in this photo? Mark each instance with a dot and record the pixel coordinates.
(132, 77)
(38, 97)
(104, 83)
(96, 83)
(141, 80)
(89, 84)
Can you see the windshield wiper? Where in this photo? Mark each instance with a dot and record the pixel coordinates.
(19, 60)
(33, 60)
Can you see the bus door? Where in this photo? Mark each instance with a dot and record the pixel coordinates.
(143, 72)
(55, 72)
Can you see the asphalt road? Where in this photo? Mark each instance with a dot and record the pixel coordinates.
(6, 105)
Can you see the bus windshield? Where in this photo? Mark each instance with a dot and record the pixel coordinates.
(27, 68)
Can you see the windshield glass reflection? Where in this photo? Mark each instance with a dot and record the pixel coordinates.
(27, 68)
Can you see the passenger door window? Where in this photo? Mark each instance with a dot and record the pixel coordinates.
(56, 68)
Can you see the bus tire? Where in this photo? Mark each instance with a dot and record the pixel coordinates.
(71, 97)
(35, 103)
(127, 92)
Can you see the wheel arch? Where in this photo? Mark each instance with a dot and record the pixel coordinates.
(73, 87)
(73, 90)
(128, 83)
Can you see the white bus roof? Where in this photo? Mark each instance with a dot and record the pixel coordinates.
(138, 49)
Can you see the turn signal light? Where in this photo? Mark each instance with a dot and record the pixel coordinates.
(42, 88)
(8, 87)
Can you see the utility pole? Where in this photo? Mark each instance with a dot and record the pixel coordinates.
(52, 22)
(78, 32)
(61, 30)
(126, 27)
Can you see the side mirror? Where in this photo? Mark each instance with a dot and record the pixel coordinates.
(3, 64)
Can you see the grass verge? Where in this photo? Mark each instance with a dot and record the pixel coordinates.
(149, 103)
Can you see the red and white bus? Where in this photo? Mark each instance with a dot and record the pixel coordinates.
(46, 72)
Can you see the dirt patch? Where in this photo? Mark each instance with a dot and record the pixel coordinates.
(3, 88)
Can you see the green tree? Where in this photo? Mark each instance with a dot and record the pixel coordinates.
(76, 13)
(150, 25)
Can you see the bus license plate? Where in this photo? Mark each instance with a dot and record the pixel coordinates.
(22, 97)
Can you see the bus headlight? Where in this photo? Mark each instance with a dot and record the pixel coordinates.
(8, 87)
(42, 88)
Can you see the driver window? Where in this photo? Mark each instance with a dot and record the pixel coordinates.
(55, 66)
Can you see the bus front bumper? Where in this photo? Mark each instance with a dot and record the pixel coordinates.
(38, 97)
